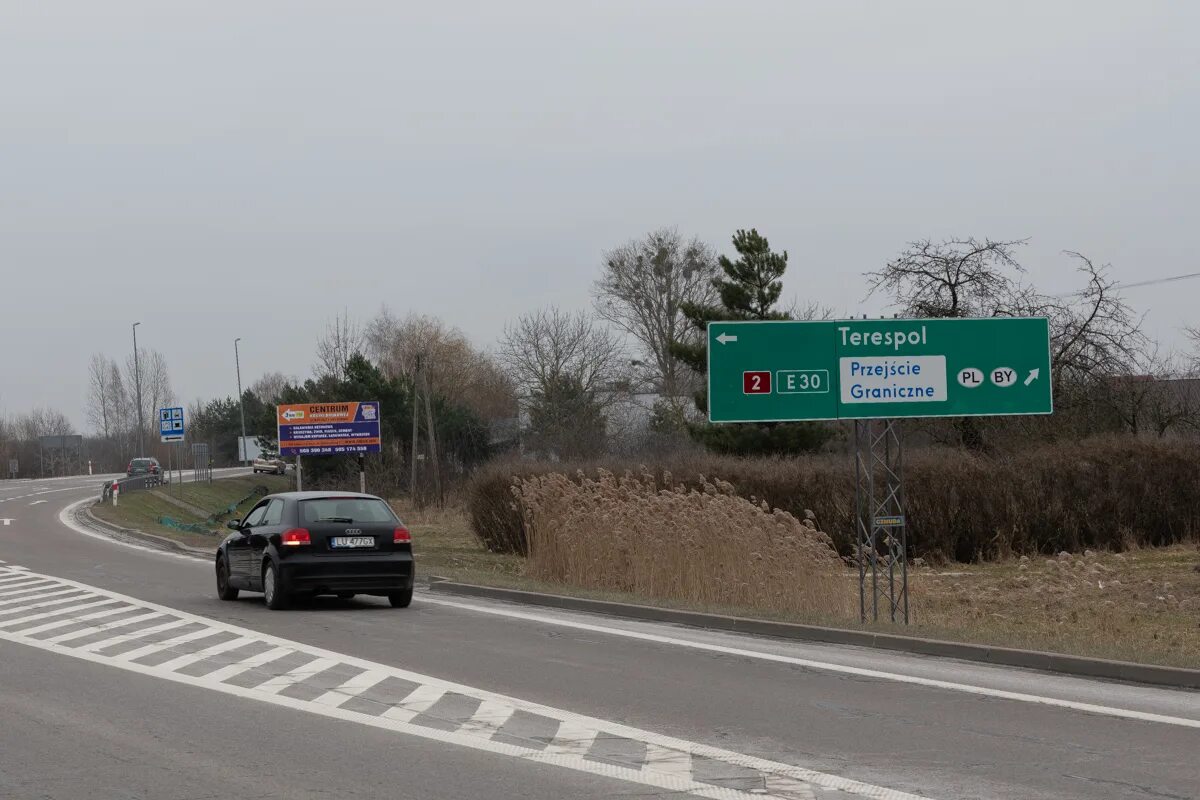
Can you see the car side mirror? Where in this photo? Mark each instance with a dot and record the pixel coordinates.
(234, 525)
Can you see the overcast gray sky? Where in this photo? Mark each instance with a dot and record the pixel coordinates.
(221, 169)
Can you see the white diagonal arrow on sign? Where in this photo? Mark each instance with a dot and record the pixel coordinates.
(1033, 374)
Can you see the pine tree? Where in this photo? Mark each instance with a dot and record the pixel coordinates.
(749, 290)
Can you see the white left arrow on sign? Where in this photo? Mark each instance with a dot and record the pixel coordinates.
(725, 338)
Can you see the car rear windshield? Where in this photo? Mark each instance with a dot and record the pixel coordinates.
(141, 462)
(346, 510)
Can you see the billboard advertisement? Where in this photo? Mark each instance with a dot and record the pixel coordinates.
(324, 429)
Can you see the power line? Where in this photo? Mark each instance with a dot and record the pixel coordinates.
(1159, 280)
(1152, 282)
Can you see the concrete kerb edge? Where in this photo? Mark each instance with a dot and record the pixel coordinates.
(1177, 677)
(103, 526)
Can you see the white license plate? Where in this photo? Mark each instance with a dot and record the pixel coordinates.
(352, 541)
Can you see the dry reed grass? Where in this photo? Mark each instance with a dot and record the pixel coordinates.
(1110, 493)
(701, 545)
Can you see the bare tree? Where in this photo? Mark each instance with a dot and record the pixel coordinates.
(549, 345)
(270, 387)
(1093, 332)
(953, 278)
(642, 289)
(453, 367)
(156, 389)
(1194, 335)
(343, 338)
(121, 405)
(100, 410)
(42, 422)
(1157, 397)
(1094, 335)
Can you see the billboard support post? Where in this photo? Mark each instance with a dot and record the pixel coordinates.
(299, 476)
(362, 473)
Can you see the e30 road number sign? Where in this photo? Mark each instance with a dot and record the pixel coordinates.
(862, 369)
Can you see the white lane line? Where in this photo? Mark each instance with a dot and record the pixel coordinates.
(825, 666)
(668, 760)
(225, 673)
(490, 718)
(64, 519)
(430, 689)
(37, 502)
(572, 739)
(351, 688)
(281, 682)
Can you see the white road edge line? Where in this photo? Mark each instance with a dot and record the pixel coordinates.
(825, 666)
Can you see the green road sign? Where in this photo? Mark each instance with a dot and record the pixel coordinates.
(863, 369)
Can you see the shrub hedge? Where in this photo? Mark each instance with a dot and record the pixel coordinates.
(1105, 493)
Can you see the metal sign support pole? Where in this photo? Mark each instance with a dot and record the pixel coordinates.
(362, 473)
(880, 524)
(299, 476)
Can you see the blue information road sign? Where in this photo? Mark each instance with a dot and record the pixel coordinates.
(170, 424)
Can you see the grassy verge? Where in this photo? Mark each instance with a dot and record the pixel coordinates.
(143, 510)
(1140, 606)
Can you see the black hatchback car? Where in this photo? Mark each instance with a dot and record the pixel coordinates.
(311, 543)
(143, 466)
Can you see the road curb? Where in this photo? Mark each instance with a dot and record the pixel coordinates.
(1125, 671)
(162, 542)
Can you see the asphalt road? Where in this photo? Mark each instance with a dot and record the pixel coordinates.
(122, 676)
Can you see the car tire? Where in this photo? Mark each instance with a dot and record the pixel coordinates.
(274, 595)
(401, 599)
(224, 590)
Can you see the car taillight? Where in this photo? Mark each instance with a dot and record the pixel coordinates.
(401, 536)
(296, 537)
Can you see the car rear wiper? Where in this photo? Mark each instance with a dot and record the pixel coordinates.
(336, 519)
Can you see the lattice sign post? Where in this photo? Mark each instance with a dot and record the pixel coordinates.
(875, 372)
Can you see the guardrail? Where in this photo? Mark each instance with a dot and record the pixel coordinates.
(132, 484)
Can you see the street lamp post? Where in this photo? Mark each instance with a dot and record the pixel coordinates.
(241, 405)
(137, 378)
